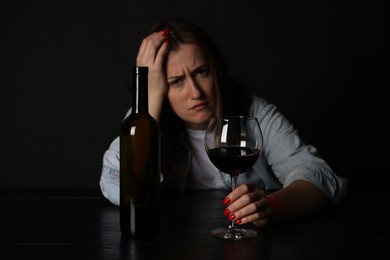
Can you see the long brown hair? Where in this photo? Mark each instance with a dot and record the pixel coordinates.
(232, 99)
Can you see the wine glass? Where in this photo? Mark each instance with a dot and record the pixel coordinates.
(233, 144)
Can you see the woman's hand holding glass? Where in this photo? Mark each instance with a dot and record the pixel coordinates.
(248, 204)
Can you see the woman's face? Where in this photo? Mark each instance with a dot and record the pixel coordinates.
(191, 91)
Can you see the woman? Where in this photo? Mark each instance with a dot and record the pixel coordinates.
(188, 84)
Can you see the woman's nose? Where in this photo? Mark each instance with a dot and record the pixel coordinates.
(194, 88)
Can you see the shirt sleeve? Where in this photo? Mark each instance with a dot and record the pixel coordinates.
(109, 179)
(110, 176)
(290, 158)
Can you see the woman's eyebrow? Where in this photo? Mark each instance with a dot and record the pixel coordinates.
(204, 66)
(175, 77)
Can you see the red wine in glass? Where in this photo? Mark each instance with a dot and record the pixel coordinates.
(233, 160)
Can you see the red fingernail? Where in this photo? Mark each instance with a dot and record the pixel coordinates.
(231, 217)
(226, 212)
(237, 222)
(165, 32)
(166, 41)
(226, 201)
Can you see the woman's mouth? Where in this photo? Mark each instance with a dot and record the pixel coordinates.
(200, 106)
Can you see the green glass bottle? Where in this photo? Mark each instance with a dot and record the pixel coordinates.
(140, 193)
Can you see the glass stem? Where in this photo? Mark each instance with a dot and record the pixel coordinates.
(233, 178)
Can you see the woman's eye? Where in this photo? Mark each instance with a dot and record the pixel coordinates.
(201, 72)
(175, 82)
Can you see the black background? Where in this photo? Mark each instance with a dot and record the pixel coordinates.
(65, 66)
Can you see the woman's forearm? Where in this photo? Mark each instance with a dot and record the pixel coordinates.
(298, 199)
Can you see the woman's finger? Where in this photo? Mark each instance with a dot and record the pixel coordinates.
(239, 192)
(150, 47)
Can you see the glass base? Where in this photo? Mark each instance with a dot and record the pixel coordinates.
(235, 233)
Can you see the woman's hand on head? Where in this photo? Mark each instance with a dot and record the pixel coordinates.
(246, 204)
(152, 53)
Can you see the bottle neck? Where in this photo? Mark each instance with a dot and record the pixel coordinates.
(140, 90)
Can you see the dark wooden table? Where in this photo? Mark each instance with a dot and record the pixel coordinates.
(82, 226)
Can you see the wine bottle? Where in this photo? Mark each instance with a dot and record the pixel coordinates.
(139, 164)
